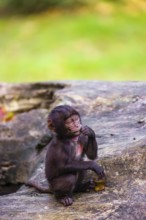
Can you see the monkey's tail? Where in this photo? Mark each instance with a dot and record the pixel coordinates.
(42, 189)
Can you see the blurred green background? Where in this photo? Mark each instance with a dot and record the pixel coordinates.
(57, 40)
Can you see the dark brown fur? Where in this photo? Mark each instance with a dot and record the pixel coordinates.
(65, 169)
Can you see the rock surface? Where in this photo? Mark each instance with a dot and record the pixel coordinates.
(117, 113)
(20, 136)
(18, 140)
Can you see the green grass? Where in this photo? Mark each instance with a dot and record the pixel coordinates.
(73, 46)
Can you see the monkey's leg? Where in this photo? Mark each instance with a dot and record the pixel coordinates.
(40, 188)
(63, 187)
(84, 186)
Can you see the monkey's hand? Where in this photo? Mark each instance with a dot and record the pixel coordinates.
(87, 131)
(98, 170)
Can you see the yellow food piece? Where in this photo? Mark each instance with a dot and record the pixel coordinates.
(100, 185)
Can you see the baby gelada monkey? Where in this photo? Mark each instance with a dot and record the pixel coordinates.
(64, 165)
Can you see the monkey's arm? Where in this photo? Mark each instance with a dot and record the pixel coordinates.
(43, 142)
(75, 166)
(91, 148)
(89, 142)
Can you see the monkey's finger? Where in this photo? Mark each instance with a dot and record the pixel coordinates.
(102, 174)
(84, 128)
(70, 201)
(85, 131)
(66, 201)
(88, 131)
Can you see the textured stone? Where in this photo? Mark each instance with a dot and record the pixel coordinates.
(18, 141)
(117, 113)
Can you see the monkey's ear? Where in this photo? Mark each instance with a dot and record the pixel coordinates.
(50, 125)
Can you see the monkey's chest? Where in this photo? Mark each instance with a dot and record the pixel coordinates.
(78, 151)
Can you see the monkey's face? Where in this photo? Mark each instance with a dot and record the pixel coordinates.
(73, 125)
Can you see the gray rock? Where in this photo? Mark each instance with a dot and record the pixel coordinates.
(20, 137)
(18, 141)
(116, 111)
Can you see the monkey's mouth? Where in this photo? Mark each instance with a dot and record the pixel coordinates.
(75, 131)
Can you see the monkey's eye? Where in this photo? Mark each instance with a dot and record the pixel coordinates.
(76, 117)
(68, 121)
(73, 119)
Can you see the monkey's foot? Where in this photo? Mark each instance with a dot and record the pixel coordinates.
(90, 184)
(66, 201)
(86, 186)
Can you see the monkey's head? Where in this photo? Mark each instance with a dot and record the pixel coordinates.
(65, 121)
